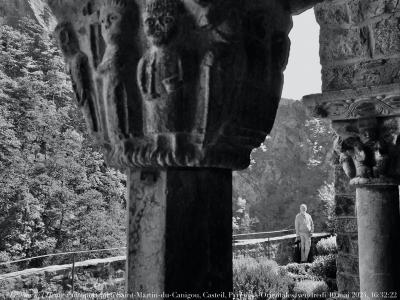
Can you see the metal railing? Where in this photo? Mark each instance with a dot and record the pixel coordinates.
(73, 253)
(60, 254)
(259, 235)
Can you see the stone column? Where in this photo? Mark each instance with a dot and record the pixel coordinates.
(180, 231)
(367, 123)
(178, 93)
(378, 225)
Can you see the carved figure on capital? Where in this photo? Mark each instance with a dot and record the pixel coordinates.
(119, 27)
(179, 83)
(160, 73)
(353, 158)
(115, 16)
(223, 68)
(369, 151)
(79, 69)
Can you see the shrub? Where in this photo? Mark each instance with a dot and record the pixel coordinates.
(311, 288)
(6, 268)
(327, 246)
(324, 266)
(253, 276)
(299, 269)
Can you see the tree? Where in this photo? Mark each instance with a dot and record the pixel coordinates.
(56, 193)
(289, 168)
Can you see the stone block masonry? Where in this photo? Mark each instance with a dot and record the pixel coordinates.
(346, 230)
(360, 43)
(359, 48)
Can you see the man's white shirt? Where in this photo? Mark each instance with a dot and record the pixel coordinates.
(304, 224)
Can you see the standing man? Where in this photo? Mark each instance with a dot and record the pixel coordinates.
(304, 229)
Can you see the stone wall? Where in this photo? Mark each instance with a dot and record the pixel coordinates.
(91, 276)
(346, 230)
(107, 275)
(359, 43)
(279, 248)
(359, 47)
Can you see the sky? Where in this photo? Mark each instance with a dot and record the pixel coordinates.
(303, 73)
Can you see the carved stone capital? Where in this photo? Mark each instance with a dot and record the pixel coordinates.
(176, 83)
(380, 101)
(366, 121)
(369, 150)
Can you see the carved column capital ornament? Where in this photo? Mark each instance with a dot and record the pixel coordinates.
(367, 123)
(369, 150)
(176, 83)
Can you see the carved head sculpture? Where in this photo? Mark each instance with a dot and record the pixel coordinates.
(67, 39)
(161, 21)
(390, 130)
(368, 130)
(111, 15)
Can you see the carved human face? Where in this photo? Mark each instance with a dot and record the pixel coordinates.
(110, 18)
(367, 129)
(160, 26)
(390, 130)
(367, 135)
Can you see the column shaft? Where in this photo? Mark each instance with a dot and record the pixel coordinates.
(180, 231)
(378, 238)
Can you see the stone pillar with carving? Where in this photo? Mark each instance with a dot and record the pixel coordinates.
(178, 93)
(367, 122)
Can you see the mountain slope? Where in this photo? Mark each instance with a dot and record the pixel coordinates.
(11, 11)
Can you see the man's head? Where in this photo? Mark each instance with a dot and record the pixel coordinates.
(303, 208)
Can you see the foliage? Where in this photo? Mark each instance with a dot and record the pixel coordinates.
(298, 269)
(327, 246)
(299, 272)
(241, 220)
(322, 269)
(324, 266)
(313, 288)
(255, 276)
(56, 194)
(326, 195)
(6, 268)
(291, 167)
